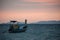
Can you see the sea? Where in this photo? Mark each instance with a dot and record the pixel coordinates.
(33, 32)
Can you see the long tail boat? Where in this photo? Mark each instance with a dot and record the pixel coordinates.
(15, 28)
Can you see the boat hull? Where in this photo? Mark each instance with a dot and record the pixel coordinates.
(11, 30)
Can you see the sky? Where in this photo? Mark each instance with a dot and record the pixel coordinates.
(32, 10)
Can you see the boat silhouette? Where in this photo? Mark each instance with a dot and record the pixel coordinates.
(15, 28)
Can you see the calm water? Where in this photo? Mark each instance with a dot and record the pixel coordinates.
(33, 32)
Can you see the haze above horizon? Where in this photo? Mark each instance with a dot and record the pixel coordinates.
(32, 10)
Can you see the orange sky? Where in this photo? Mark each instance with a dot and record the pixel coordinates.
(32, 12)
(29, 15)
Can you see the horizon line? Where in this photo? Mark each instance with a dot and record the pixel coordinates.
(29, 22)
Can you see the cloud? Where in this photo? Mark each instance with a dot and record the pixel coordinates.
(27, 4)
(54, 1)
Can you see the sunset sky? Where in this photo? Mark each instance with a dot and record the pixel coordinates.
(32, 10)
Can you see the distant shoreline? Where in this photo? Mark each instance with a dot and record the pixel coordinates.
(39, 22)
(29, 24)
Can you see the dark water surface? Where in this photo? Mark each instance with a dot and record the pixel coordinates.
(33, 32)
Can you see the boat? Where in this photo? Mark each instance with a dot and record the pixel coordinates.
(16, 28)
